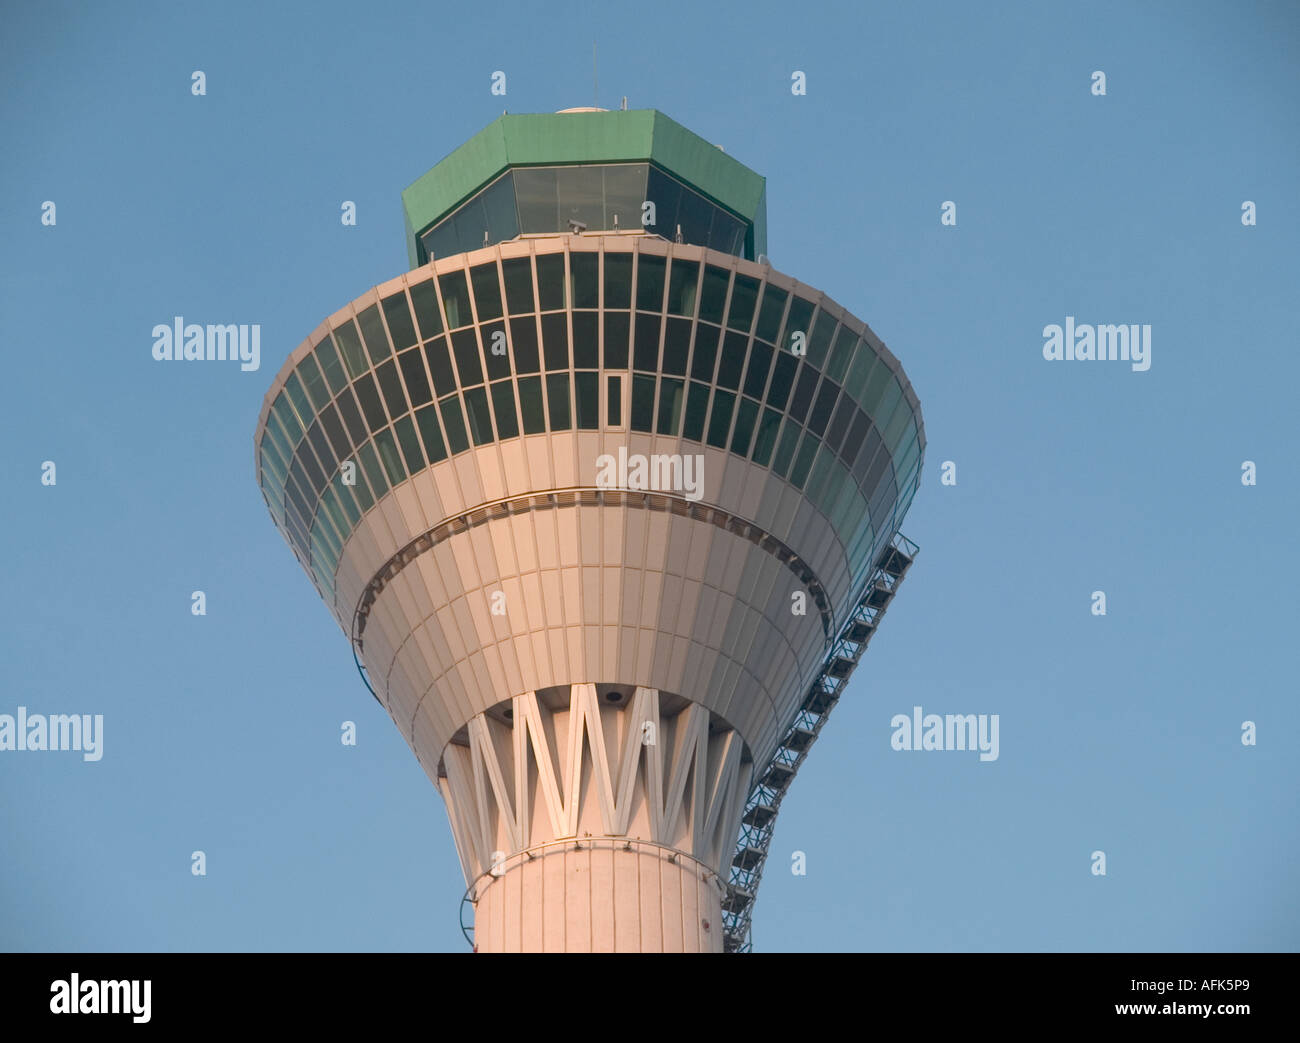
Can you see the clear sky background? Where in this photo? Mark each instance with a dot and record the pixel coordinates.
(1120, 734)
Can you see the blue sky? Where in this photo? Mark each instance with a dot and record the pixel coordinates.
(1119, 734)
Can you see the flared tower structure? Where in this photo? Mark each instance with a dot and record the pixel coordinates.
(608, 508)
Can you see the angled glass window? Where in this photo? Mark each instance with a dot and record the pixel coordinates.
(769, 314)
(746, 415)
(670, 406)
(713, 293)
(503, 405)
(523, 343)
(819, 344)
(487, 291)
(415, 376)
(643, 403)
(617, 329)
(435, 354)
(822, 407)
(391, 387)
(586, 340)
(705, 355)
(424, 298)
(744, 298)
(372, 329)
(720, 418)
(584, 274)
(587, 399)
(797, 321)
(427, 420)
(555, 341)
(455, 299)
(677, 346)
(732, 363)
(352, 420)
(551, 281)
(760, 361)
(650, 282)
(645, 355)
(496, 351)
(386, 446)
(557, 401)
(398, 316)
(697, 410)
(314, 381)
(453, 423)
(618, 280)
(410, 445)
(518, 272)
(614, 401)
(328, 358)
(464, 346)
(768, 428)
(480, 419)
(530, 405)
(838, 364)
(804, 386)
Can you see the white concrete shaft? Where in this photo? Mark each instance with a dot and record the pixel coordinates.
(609, 895)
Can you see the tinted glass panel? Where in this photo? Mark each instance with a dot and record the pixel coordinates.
(586, 340)
(368, 395)
(733, 360)
(585, 273)
(650, 282)
(427, 419)
(425, 302)
(530, 405)
(671, 393)
(400, 326)
(646, 351)
(616, 337)
(551, 281)
(797, 322)
(803, 393)
(720, 418)
(410, 445)
(618, 280)
(435, 354)
(769, 315)
(744, 297)
(496, 352)
(745, 417)
(386, 446)
(760, 360)
(480, 419)
(822, 407)
(643, 403)
(465, 347)
(347, 406)
(455, 299)
(681, 287)
(523, 339)
(697, 409)
(557, 401)
(391, 386)
(349, 342)
(677, 346)
(587, 399)
(331, 366)
(503, 405)
(706, 352)
(555, 341)
(372, 329)
(487, 291)
(314, 382)
(518, 272)
(453, 423)
(713, 294)
(766, 440)
(614, 401)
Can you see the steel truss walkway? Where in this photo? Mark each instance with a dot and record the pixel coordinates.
(773, 783)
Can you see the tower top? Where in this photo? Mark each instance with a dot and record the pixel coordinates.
(585, 170)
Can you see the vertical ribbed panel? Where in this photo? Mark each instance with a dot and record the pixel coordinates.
(602, 898)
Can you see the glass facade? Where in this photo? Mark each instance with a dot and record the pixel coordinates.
(623, 339)
(595, 198)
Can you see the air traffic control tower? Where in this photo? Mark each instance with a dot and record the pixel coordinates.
(609, 509)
